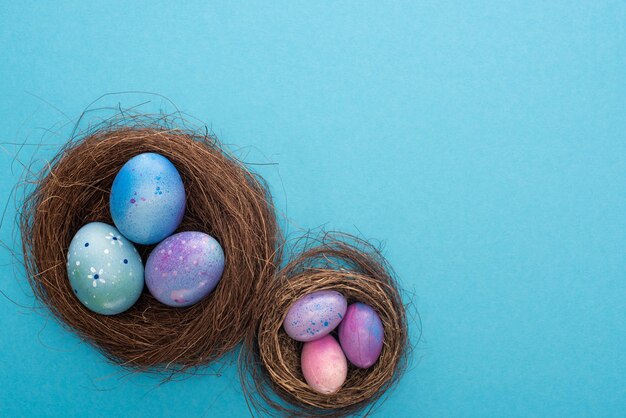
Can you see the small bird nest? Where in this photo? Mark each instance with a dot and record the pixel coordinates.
(270, 362)
(224, 199)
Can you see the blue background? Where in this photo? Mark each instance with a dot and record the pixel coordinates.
(484, 143)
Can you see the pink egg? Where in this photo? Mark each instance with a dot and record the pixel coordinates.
(361, 335)
(323, 364)
(315, 315)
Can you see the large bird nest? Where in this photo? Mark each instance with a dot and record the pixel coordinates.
(224, 199)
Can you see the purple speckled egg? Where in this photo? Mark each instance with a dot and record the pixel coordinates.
(361, 335)
(184, 268)
(315, 315)
(324, 365)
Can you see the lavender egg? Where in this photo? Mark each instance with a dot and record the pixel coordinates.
(315, 315)
(323, 365)
(361, 335)
(147, 199)
(184, 268)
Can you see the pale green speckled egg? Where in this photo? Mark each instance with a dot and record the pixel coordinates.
(104, 269)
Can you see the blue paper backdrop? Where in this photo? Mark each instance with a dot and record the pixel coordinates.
(484, 143)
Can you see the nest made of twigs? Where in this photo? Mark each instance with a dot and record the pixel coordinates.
(270, 361)
(224, 199)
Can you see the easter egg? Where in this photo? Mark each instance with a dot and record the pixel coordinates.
(315, 315)
(361, 335)
(104, 269)
(184, 268)
(324, 365)
(147, 199)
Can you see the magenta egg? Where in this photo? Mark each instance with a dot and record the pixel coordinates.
(315, 315)
(324, 365)
(361, 335)
(184, 268)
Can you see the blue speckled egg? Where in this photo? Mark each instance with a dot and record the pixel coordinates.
(315, 315)
(147, 199)
(104, 269)
(184, 268)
